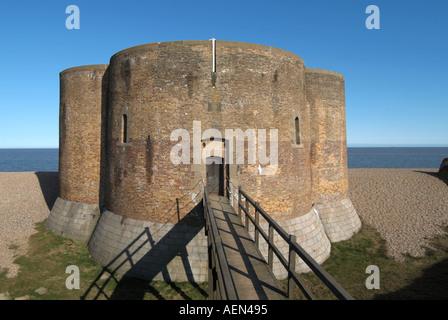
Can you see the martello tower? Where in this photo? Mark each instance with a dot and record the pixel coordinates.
(118, 185)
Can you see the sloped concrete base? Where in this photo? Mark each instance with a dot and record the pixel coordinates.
(339, 218)
(151, 251)
(73, 220)
(310, 235)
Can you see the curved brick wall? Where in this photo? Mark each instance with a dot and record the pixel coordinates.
(262, 87)
(167, 86)
(162, 87)
(81, 110)
(82, 107)
(154, 89)
(326, 99)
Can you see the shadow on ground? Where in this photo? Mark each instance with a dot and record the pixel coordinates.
(49, 184)
(434, 174)
(154, 262)
(432, 285)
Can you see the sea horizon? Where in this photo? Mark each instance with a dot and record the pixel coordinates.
(397, 157)
(348, 146)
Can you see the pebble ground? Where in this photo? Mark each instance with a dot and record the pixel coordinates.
(25, 198)
(408, 207)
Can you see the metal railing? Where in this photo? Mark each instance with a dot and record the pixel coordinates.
(294, 249)
(220, 283)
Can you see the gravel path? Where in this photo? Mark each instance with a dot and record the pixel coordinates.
(25, 198)
(408, 207)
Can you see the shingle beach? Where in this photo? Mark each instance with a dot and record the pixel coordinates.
(408, 207)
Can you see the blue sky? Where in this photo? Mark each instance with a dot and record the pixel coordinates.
(396, 77)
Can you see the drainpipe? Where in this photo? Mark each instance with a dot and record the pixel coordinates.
(214, 53)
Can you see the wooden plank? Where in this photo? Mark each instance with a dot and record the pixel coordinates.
(250, 273)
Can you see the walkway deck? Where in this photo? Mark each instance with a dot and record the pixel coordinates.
(251, 276)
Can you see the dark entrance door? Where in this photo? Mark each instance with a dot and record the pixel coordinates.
(215, 175)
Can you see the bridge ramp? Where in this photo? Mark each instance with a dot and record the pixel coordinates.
(250, 273)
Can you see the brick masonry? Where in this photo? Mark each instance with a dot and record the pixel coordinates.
(116, 123)
(164, 87)
(81, 115)
(326, 100)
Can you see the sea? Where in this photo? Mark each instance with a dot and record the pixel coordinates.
(396, 157)
(24, 160)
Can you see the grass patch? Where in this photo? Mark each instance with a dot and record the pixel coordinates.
(415, 278)
(13, 247)
(49, 255)
(45, 264)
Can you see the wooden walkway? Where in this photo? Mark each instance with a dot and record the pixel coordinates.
(251, 276)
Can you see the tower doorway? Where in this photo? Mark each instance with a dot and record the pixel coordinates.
(215, 175)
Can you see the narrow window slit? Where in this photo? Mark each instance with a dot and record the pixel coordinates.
(124, 129)
(297, 127)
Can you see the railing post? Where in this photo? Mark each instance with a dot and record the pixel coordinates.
(291, 268)
(204, 204)
(239, 200)
(247, 213)
(270, 249)
(295, 251)
(257, 226)
(178, 213)
(231, 193)
(211, 280)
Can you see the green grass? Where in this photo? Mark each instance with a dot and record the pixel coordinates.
(49, 255)
(415, 278)
(45, 264)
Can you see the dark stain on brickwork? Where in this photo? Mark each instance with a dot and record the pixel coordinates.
(62, 133)
(118, 178)
(214, 78)
(275, 78)
(126, 73)
(191, 79)
(149, 160)
(104, 132)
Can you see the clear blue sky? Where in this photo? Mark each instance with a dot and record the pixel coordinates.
(396, 77)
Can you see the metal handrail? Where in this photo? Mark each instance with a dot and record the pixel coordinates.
(294, 248)
(218, 266)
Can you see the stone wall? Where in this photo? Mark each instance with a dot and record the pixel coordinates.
(310, 235)
(163, 87)
(116, 123)
(326, 100)
(339, 218)
(73, 220)
(82, 107)
(151, 251)
(81, 151)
